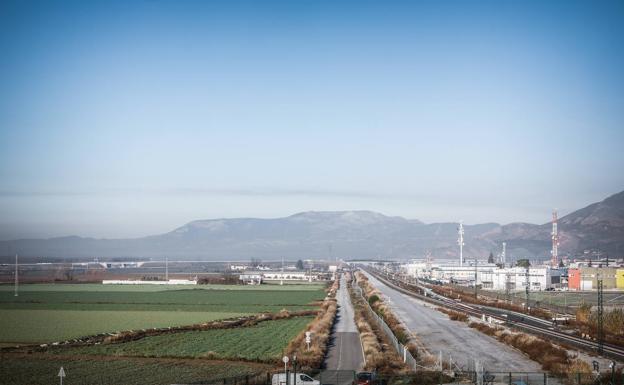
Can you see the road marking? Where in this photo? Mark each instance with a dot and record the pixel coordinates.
(340, 354)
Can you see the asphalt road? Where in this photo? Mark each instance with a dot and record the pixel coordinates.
(439, 334)
(345, 350)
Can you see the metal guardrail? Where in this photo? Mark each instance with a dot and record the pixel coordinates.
(401, 349)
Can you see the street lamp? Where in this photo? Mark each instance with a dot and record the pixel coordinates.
(612, 367)
(295, 369)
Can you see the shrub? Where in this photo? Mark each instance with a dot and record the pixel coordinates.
(372, 299)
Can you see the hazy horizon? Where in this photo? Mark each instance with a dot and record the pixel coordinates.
(129, 118)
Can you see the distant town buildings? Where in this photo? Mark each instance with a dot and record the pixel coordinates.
(140, 282)
(581, 276)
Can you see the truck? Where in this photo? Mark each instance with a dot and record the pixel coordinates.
(293, 379)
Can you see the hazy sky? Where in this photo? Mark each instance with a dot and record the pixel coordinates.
(131, 118)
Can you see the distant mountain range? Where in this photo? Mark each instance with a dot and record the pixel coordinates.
(349, 234)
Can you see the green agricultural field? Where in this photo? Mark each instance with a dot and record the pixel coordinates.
(151, 288)
(169, 300)
(37, 326)
(265, 341)
(48, 313)
(42, 370)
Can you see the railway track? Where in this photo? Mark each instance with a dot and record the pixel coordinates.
(520, 321)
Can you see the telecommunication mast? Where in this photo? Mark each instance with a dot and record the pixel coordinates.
(460, 241)
(555, 241)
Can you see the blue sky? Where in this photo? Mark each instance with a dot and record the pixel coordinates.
(131, 118)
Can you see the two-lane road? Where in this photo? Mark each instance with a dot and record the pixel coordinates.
(345, 351)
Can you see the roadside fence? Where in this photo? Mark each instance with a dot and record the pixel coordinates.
(401, 349)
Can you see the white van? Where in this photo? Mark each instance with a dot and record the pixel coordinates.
(295, 379)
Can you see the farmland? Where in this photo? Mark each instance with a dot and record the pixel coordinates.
(40, 370)
(44, 313)
(48, 313)
(262, 342)
(37, 326)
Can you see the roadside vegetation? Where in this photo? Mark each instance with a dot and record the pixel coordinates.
(587, 322)
(381, 308)
(454, 315)
(466, 297)
(398, 329)
(553, 358)
(379, 355)
(320, 330)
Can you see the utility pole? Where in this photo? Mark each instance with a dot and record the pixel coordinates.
(600, 317)
(476, 278)
(527, 283)
(16, 278)
(507, 288)
(460, 241)
(504, 254)
(167, 269)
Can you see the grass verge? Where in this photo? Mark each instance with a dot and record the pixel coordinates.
(320, 329)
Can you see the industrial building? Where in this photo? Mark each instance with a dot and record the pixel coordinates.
(257, 277)
(489, 276)
(516, 278)
(586, 278)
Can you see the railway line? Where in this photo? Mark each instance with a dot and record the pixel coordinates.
(520, 321)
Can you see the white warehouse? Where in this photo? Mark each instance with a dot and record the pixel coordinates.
(540, 278)
(488, 275)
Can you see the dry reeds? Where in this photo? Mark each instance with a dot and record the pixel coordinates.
(380, 307)
(613, 321)
(552, 358)
(320, 328)
(378, 354)
(470, 298)
(454, 315)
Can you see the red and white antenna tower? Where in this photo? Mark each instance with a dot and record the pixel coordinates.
(555, 241)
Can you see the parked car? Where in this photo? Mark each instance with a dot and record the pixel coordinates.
(294, 379)
(365, 378)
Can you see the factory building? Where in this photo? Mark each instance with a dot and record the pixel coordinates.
(489, 276)
(418, 269)
(447, 272)
(257, 277)
(461, 274)
(539, 278)
(619, 278)
(586, 278)
(574, 279)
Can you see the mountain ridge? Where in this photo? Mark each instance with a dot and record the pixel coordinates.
(352, 233)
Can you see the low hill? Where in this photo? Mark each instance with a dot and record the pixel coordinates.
(348, 234)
